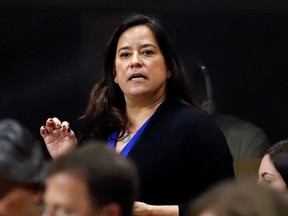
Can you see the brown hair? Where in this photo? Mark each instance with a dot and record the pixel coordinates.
(240, 198)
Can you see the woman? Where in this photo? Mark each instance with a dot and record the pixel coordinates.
(273, 169)
(142, 107)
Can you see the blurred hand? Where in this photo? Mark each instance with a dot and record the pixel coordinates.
(58, 137)
(143, 209)
(140, 209)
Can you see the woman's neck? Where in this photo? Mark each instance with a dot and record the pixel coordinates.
(137, 115)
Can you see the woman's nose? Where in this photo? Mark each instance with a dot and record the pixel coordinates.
(136, 61)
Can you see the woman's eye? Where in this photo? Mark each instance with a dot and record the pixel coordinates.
(266, 181)
(148, 52)
(124, 55)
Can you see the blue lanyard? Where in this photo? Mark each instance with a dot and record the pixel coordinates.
(124, 152)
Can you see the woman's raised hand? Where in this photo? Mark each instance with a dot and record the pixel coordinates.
(58, 137)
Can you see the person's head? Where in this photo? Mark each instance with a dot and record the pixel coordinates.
(200, 84)
(156, 37)
(21, 163)
(140, 63)
(240, 198)
(90, 180)
(273, 169)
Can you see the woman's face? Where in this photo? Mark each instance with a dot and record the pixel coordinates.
(140, 68)
(269, 175)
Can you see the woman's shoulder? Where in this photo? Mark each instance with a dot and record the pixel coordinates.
(184, 115)
(187, 111)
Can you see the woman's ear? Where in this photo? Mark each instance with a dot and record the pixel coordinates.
(116, 80)
(115, 76)
(168, 73)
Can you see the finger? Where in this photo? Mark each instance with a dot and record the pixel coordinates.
(66, 126)
(43, 131)
(57, 122)
(70, 133)
(67, 131)
(52, 124)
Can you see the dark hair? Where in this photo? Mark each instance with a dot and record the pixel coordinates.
(279, 156)
(106, 107)
(109, 176)
(21, 155)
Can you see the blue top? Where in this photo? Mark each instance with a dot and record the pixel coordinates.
(124, 152)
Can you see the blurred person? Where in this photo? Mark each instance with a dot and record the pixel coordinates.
(21, 162)
(245, 140)
(240, 198)
(273, 170)
(141, 108)
(89, 181)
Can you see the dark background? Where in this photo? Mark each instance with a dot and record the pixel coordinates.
(51, 53)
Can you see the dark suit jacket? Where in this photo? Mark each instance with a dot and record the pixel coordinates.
(180, 154)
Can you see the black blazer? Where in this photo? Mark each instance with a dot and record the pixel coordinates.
(180, 154)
